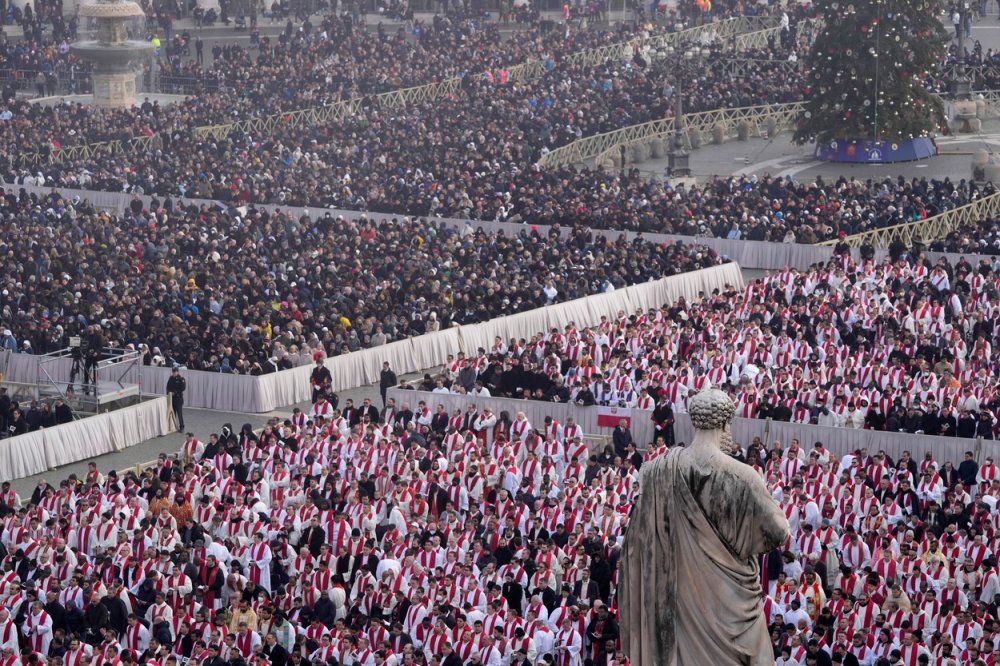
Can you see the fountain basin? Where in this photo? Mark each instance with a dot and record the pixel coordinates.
(121, 56)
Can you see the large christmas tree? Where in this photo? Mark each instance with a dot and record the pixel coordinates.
(867, 70)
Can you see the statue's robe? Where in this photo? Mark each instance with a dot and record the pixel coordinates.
(690, 592)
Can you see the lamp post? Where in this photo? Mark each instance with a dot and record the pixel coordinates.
(961, 87)
(678, 158)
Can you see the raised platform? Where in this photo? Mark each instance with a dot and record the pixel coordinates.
(117, 375)
(89, 399)
(869, 151)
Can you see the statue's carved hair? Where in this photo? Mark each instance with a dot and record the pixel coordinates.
(711, 410)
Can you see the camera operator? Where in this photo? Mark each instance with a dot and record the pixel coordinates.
(75, 340)
(94, 346)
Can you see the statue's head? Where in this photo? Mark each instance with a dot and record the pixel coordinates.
(711, 410)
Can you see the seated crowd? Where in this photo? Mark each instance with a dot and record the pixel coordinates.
(319, 166)
(470, 168)
(467, 155)
(336, 60)
(464, 156)
(255, 291)
(18, 419)
(371, 537)
(909, 346)
(981, 237)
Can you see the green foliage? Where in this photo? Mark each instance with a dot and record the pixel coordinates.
(867, 68)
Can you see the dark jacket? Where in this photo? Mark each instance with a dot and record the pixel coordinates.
(621, 437)
(386, 380)
(277, 655)
(97, 617)
(312, 538)
(967, 472)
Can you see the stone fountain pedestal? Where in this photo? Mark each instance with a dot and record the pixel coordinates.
(114, 89)
(117, 57)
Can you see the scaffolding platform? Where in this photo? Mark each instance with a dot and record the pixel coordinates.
(116, 380)
(87, 399)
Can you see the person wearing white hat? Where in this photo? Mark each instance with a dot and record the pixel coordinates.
(8, 342)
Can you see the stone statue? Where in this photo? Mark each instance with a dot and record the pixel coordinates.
(690, 592)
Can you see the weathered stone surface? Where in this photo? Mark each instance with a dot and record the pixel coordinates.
(690, 592)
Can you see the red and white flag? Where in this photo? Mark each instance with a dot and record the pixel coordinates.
(609, 417)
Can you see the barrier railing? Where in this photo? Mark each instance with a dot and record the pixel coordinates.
(756, 39)
(721, 30)
(64, 83)
(394, 99)
(86, 151)
(805, 31)
(721, 33)
(743, 67)
(182, 84)
(991, 97)
(931, 229)
(983, 72)
(758, 120)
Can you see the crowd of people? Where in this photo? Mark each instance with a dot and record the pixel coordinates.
(270, 297)
(18, 419)
(404, 536)
(40, 68)
(307, 67)
(495, 130)
(469, 155)
(255, 292)
(905, 345)
(468, 167)
(980, 236)
(490, 173)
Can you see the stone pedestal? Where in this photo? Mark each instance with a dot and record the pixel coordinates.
(964, 120)
(114, 89)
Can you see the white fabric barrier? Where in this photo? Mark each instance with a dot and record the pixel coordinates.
(205, 390)
(23, 456)
(588, 311)
(244, 393)
(840, 441)
(426, 351)
(36, 452)
(208, 390)
(585, 417)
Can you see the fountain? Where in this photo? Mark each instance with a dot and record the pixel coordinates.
(115, 56)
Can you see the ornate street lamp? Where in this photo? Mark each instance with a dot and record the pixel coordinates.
(678, 157)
